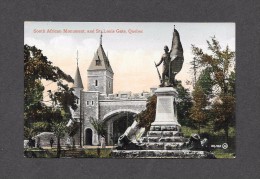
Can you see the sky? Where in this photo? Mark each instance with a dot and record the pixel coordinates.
(132, 48)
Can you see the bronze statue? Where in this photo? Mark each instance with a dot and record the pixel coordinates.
(166, 62)
(172, 61)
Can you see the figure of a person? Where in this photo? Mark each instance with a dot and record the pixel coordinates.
(33, 143)
(98, 152)
(30, 142)
(103, 142)
(38, 142)
(68, 142)
(73, 143)
(166, 63)
(51, 141)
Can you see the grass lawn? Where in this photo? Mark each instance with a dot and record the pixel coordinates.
(216, 138)
(76, 153)
(222, 154)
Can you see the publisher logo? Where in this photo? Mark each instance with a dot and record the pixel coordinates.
(224, 145)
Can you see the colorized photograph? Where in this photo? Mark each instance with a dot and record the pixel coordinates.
(129, 90)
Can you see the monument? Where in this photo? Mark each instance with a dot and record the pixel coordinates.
(166, 112)
(164, 139)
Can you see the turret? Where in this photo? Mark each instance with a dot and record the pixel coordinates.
(77, 85)
(100, 73)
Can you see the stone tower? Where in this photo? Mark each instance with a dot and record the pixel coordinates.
(100, 73)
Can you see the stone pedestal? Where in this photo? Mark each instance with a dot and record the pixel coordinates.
(166, 114)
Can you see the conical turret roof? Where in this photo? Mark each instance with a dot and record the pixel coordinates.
(100, 60)
(77, 80)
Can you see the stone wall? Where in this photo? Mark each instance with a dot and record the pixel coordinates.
(109, 82)
(102, 106)
(91, 109)
(44, 140)
(108, 107)
(100, 76)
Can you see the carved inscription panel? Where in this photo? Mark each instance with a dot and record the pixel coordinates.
(164, 105)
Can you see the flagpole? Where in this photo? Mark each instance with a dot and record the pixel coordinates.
(158, 73)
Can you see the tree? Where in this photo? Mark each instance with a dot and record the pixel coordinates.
(202, 94)
(36, 68)
(59, 129)
(39, 117)
(205, 82)
(184, 104)
(198, 110)
(63, 100)
(218, 68)
(99, 126)
(147, 116)
(194, 68)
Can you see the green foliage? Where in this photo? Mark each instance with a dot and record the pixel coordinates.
(146, 117)
(198, 110)
(37, 67)
(59, 129)
(92, 153)
(215, 138)
(216, 83)
(28, 132)
(184, 103)
(37, 116)
(206, 82)
(99, 126)
(224, 110)
(40, 126)
(63, 97)
(231, 88)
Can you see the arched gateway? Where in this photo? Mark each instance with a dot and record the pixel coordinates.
(117, 122)
(99, 102)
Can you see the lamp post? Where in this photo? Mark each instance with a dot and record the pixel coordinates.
(80, 119)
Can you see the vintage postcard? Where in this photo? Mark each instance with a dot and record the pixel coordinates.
(129, 90)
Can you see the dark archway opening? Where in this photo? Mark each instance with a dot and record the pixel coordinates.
(121, 123)
(88, 137)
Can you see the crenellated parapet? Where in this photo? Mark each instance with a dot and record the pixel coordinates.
(126, 96)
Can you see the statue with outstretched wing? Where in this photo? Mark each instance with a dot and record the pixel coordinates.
(172, 61)
(176, 56)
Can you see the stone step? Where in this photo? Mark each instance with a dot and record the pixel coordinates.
(164, 139)
(161, 145)
(171, 133)
(154, 133)
(173, 146)
(172, 139)
(161, 154)
(164, 128)
(153, 146)
(164, 133)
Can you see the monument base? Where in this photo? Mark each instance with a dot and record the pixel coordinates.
(164, 139)
(176, 154)
(166, 114)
